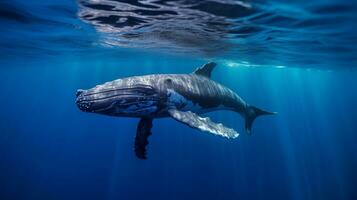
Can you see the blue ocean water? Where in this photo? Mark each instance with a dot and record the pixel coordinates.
(298, 58)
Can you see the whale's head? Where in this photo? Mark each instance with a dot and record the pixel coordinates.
(122, 97)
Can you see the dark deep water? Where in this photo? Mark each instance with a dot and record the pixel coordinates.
(298, 58)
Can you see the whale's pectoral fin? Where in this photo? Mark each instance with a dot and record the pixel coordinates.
(203, 124)
(143, 131)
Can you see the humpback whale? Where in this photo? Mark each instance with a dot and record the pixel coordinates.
(182, 97)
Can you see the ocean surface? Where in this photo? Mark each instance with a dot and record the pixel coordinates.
(298, 58)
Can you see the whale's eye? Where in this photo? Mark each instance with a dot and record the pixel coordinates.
(168, 81)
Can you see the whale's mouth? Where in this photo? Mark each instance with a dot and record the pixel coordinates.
(117, 101)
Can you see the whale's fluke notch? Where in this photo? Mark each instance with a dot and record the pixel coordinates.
(143, 131)
(251, 114)
(205, 70)
(204, 124)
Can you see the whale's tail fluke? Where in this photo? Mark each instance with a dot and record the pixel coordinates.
(253, 112)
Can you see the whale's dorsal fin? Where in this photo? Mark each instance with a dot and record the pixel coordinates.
(205, 70)
(204, 124)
